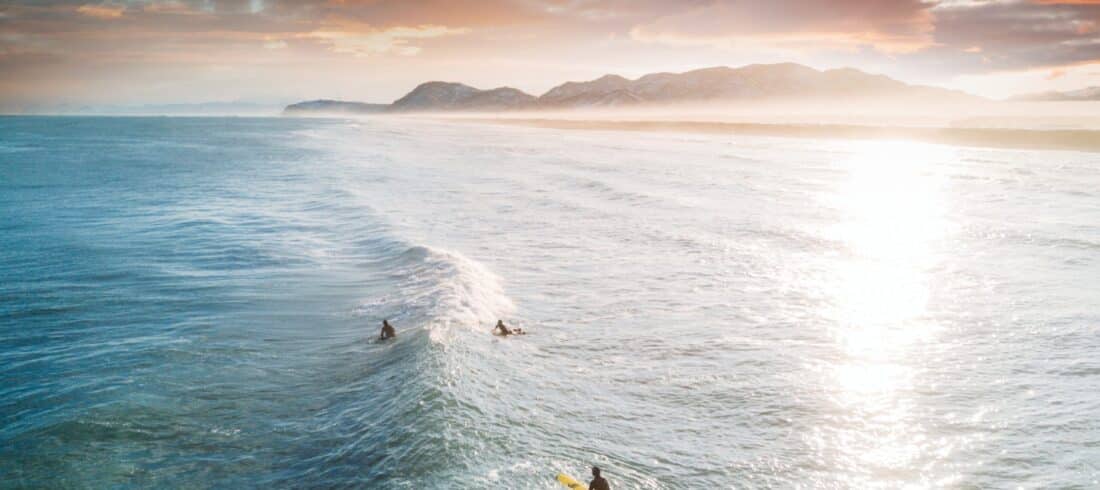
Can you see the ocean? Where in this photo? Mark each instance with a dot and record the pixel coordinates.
(194, 303)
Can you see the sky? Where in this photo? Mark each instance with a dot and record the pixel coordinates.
(56, 54)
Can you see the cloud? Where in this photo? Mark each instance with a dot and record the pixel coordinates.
(1018, 35)
(106, 11)
(888, 25)
(1068, 2)
(920, 40)
(275, 44)
(949, 36)
(173, 7)
(384, 14)
(364, 41)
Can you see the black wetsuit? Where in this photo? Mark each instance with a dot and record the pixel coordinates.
(387, 332)
(598, 483)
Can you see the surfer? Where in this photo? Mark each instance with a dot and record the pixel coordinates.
(598, 482)
(387, 331)
(505, 330)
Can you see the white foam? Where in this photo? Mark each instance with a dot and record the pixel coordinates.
(442, 290)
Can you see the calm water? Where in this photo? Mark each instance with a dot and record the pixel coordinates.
(192, 303)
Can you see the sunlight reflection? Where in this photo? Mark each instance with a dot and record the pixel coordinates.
(891, 216)
(891, 213)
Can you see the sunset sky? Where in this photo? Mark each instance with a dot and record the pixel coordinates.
(145, 52)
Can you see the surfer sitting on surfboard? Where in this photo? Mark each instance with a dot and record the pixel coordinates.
(387, 331)
(598, 482)
(500, 329)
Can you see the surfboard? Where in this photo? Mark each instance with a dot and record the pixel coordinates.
(498, 334)
(569, 482)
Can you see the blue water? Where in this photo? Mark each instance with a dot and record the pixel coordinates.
(192, 303)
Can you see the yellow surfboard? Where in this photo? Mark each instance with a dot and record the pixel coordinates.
(569, 482)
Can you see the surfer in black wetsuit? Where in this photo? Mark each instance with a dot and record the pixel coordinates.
(503, 330)
(387, 331)
(598, 482)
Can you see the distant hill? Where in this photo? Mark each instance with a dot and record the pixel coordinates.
(708, 85)
(608, 90)
(1085, 94)
(445, 96)
(325, 106)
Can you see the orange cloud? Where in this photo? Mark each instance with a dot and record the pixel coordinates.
(102, 11)
(897, 26)
(363, 40)
(169, 7)
(1086, 27)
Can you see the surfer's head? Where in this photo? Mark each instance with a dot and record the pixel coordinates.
(385, 323)
(500, 322)
(595, 471)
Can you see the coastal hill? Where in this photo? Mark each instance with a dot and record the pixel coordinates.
(446, 96)
(707, 85)
(1082, 95)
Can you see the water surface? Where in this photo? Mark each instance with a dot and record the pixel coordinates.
(192, 303)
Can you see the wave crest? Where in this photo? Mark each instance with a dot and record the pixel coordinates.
(439, 289)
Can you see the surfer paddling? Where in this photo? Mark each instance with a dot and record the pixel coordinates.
(387, 331)
(500, 329)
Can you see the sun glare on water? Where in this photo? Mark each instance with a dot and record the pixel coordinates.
(891, 218)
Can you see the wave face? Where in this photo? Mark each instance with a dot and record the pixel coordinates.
(442, 289)
(195, 303)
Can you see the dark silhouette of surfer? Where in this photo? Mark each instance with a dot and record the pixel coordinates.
(500, 329)
(598, 482)
(387, 331)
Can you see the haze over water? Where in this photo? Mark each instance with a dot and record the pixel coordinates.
(192, 303)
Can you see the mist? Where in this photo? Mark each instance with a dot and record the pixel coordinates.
(872, 112)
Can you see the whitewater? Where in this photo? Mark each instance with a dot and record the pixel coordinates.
(195, 302)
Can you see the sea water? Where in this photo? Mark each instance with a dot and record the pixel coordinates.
(194, 303)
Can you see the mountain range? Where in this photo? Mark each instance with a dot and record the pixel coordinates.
(707, 85)
(1085, 94)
